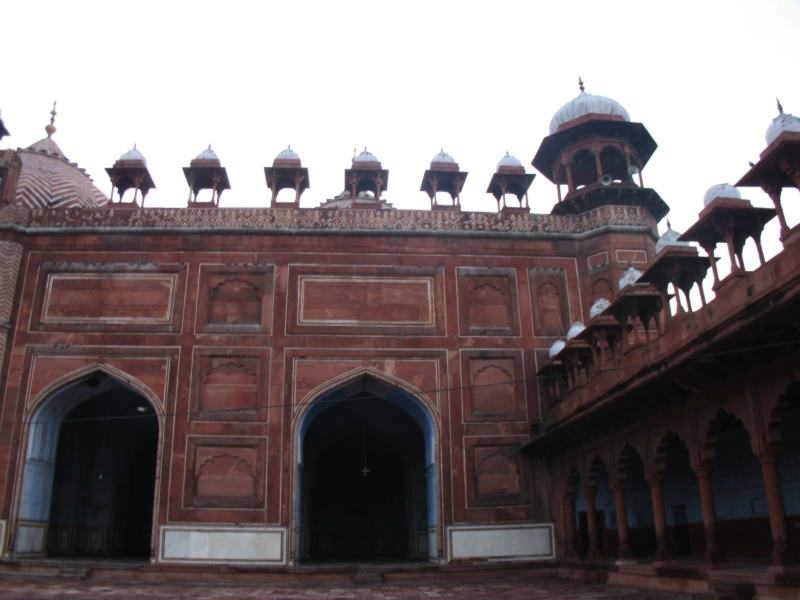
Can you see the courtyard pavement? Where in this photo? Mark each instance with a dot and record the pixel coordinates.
(29, 588)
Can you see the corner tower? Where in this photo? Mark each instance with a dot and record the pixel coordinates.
(598, 153)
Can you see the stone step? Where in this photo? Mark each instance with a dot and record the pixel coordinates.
(73, 572)
(727, 591)
(368, 577)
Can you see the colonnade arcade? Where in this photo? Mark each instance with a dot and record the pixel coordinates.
(712, 481)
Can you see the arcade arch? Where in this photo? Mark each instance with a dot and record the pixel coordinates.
(88, 485)
(366, 487)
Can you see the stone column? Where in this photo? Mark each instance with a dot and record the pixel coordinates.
(663, 553)
(774, 193)
(591, 521)
(569, 527)
(624, 553)
(782, 554)
(713, 556)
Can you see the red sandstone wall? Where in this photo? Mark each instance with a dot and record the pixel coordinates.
(238, 322)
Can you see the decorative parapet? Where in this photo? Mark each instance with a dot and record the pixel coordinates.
(268, 220)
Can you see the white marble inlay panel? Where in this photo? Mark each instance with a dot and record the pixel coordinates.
(509, 542)
(31, 538)
(209, 544)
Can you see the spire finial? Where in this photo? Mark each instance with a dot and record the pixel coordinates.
(290, 146)
(780, 107)
(51, 128)
(580, 83)
(668, 225)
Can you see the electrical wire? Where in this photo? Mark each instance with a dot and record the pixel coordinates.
(653, 365)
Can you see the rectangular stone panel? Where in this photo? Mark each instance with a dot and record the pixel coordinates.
(494, 388)
(550, 299)
(522, 541)
(235, 298)
(112, 298)
(597, 260)
(109, 297)
(487, 301)
(365, 300)
(631, 256)
(496, 473)
(230, 384)
(225, 472)
(211, 544)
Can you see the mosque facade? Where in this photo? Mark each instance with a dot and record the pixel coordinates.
(268, 388)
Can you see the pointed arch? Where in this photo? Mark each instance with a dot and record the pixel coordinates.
(304, 413)
(42, 420)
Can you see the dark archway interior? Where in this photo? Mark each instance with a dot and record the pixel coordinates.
(350, 515)
(104, 482)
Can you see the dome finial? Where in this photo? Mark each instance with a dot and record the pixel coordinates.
(668, 225)
(780, 107)
(580, 83)
(51, 129)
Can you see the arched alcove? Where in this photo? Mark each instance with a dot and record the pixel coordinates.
(584, 169)
(366, 486)
(88, 485)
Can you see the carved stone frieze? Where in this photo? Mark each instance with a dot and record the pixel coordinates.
(344, 220)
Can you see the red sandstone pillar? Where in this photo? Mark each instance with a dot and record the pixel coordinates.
(624, 552)
(774, 193)
(782, 554)
(591, 520)
(663, 553)
(713, 556)
(569, 527)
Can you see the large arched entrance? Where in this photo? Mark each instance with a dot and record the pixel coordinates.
(89, 480)
(366, 484)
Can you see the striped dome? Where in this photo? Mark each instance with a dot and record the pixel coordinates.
(48, 180)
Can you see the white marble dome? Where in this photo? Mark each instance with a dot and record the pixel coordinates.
(783, 122)
(207, 154)
(721, 190)
(670, 238)
(630, 277)
(443, 157)
(133, 154)
(599, 306)
(586, 104)
(288, 154)
(576, 328)
(557, 347)
(509, 161)
(366, 156)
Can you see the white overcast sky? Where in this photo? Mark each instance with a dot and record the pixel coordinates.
(401, 78)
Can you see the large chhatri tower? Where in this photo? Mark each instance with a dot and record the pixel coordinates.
(598, 154)
(295, 392)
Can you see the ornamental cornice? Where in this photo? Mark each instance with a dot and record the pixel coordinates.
(270, 220)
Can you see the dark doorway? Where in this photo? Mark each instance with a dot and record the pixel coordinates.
(104, 479)
(350, 514)
(683, 544)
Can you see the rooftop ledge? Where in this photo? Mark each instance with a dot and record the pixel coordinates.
(322, 221)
